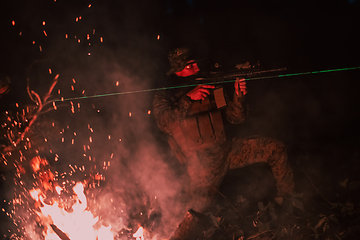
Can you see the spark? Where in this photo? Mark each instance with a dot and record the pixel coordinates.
(45, 33)
(13, 22)
(43, 23)
(158, 37)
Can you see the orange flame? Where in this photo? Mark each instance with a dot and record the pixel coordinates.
(77, 225)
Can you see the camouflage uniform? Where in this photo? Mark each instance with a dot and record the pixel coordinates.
(207, 166)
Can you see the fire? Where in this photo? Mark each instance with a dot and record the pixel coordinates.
(76, 225)
(58, 222)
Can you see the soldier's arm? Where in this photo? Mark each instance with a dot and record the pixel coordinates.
(168, 113)
(236, 109)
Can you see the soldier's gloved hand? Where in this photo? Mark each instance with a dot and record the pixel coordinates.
(240, 86)
(200, 92)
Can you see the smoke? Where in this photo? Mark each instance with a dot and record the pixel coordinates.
(96, 50)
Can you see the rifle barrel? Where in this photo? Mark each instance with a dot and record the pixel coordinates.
(236, 74)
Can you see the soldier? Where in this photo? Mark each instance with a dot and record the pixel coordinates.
(192, 117)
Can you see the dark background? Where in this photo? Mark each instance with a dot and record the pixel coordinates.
(301, 36)
(316, 115)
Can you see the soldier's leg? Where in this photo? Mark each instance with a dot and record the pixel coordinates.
(206, 172)
(260, 149)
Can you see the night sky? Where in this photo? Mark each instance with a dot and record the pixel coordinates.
(98, 43)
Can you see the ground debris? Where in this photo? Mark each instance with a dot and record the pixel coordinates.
(290, 220)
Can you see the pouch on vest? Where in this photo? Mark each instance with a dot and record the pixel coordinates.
(203, 125)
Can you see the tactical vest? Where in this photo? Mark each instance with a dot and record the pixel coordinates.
(203, 126)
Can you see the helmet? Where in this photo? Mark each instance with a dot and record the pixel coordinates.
(178, 58)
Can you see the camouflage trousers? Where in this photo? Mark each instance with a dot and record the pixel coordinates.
(207, 168)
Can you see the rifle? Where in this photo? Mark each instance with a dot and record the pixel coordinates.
(243, 71)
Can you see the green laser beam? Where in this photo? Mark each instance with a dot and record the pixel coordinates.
(202, 83)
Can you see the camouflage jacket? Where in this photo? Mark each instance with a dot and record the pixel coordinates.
(171, 110)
